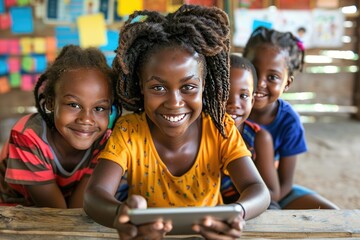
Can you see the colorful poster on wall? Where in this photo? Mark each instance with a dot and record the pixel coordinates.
(247, 20)
(316, 28)
(298, 22)
(328, 28)
(68, 11)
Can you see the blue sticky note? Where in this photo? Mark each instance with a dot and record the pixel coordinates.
(3, 66)
(40, 63)
(109, 58)
(112, 41)
(22, 20)
(66, 35)
(260, 23)
(2, 6)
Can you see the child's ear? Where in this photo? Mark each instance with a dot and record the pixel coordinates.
(49, 104)
(288, 83)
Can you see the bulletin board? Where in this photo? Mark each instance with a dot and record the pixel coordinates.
(66, 12)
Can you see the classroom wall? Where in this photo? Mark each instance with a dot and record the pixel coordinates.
(50, 30)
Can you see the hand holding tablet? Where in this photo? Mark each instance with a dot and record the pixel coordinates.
(183, 218)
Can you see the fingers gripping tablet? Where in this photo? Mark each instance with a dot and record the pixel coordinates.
(183, 217)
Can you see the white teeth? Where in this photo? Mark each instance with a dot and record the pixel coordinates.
(174, 119)
(259, 94)
(233, 116)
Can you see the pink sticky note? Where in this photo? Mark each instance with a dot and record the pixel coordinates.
(10, 3)
(5, 21)
(4, 85)
(14, 64)
(4, 46)
(14, 46)
(27, 83)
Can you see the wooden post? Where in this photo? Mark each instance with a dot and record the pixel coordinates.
(357, 75)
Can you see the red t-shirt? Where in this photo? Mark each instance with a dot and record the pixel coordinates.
(28, 159)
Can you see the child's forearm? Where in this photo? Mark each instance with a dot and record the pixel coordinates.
(254, 200)
(101, 206)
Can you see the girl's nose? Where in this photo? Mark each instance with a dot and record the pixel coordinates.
(174, 100)
(261, 82)
(86, 117)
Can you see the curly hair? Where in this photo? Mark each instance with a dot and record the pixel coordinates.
(71, 57)
(197, 29)
(285, 41)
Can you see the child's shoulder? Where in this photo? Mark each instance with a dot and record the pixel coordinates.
(131, 121)
(286, 112)
(31, 121)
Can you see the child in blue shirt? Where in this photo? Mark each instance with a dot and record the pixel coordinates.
(276, 57)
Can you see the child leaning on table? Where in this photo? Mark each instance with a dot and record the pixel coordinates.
(243, 79)
(276, 57)
(50, 155)
(173, 71)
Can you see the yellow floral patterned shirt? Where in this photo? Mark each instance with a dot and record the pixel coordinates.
(131, 146)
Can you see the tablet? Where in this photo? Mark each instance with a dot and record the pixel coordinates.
(183, 217)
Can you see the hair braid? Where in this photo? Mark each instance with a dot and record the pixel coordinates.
(197, 29)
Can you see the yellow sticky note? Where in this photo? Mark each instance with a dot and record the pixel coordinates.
(173, 5)
(125, 8)
(92, 30)
(26, 45)
(39, 45)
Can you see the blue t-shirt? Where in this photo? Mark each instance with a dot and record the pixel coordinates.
(287, 132)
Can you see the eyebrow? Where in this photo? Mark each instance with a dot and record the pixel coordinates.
(164, 81)
(107, 100)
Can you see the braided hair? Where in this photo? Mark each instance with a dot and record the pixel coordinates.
(285, 41)
(71, 57)
(197, 29)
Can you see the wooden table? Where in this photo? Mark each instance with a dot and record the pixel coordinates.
(46, 223)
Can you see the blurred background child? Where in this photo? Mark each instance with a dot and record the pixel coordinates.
(276, 57)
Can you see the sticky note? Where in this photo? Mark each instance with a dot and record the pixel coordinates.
(50, 56)
(39, 45)
(155, 5)
(112, 41)
(27, 64)
(27, 82)
(124, 8)
(14, 46)
(92, 30)
(22, 20)
(14, 64)
(23, 2)
(173, 5)
(2, 7)
(4, 69)
(50, 43)
(10, 3)
(26, 45)
(258, 23)
(4, 85)
(40, 63)
(15, 80)
(4, 46)
(5, 21)
(66, 35)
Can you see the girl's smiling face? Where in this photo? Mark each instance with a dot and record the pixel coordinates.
(81, 107)
(273, 78)
(172, 83)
